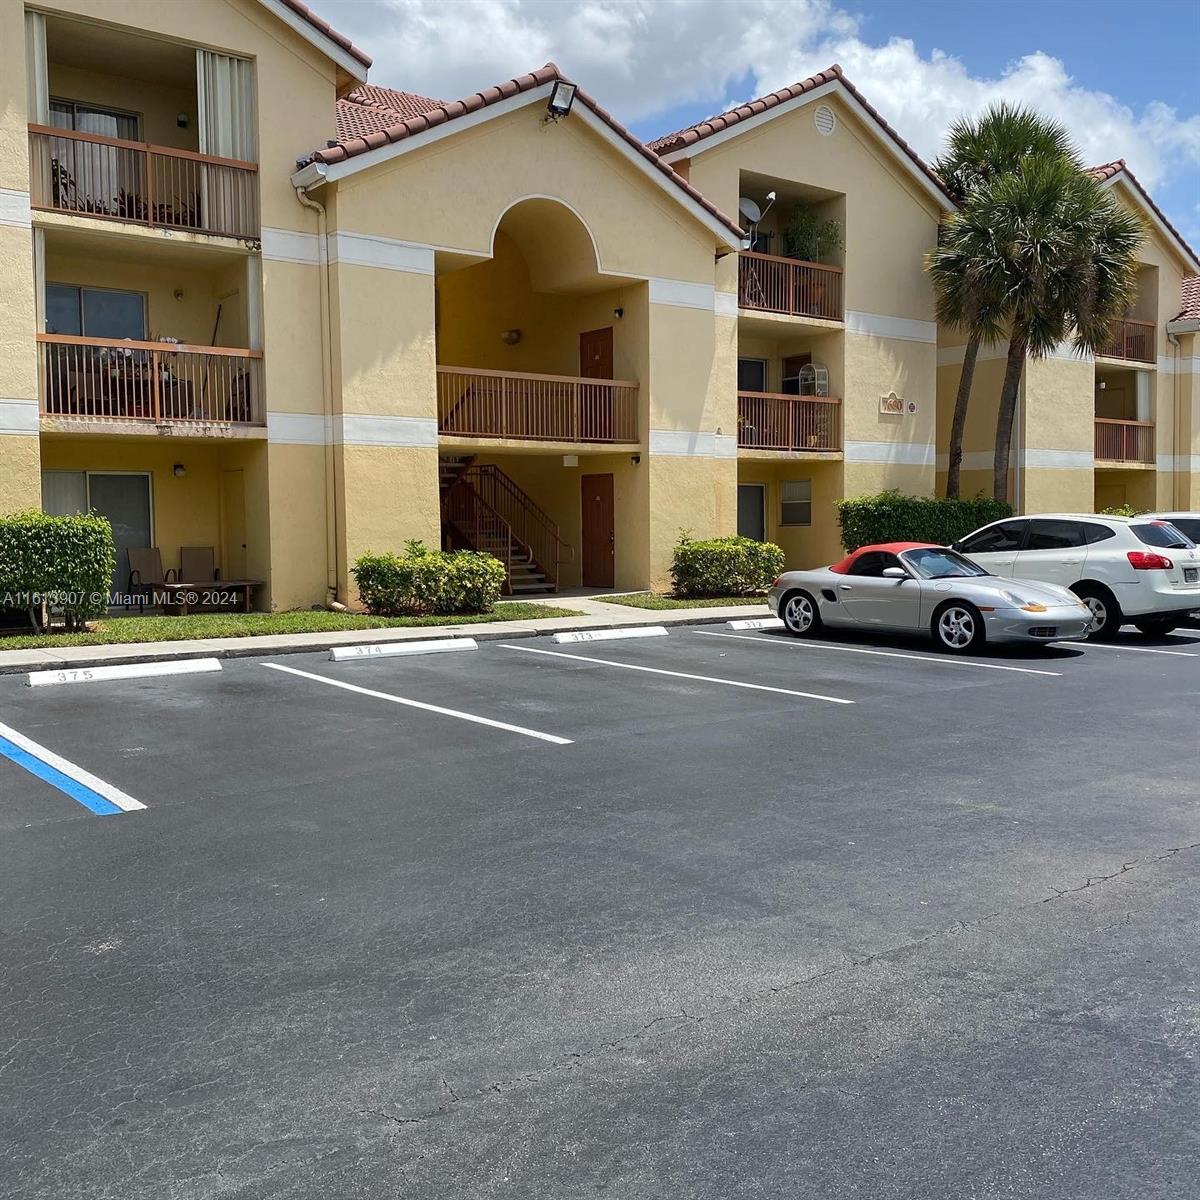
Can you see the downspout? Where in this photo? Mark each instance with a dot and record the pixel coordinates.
(1178, 500)
(331, 506)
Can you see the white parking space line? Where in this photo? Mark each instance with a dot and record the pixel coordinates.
(942, 662)
(607, 662)
(1134, 649)
(433, 708)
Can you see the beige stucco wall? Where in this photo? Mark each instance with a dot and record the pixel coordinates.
(804, 546)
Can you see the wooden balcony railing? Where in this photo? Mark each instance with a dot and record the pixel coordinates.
(94, 379)
(1124, 441)
(1131, 339)
(773, 421)
(548, 408)
(148, 185)
(785, 285)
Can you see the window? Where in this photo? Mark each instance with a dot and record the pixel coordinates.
(796, 502)
(1055, 535)
(995, 539)
(940, 564)
(873, 564)
(93, 118)
(1188, 525)
(752, 375)
(1163, 534)
(1093, 533)
(95, 312)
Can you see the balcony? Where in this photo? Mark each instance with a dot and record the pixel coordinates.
(768, 283)
(540, 408)
(156, 186)
(1131, 340)
(91, 382)
(1127, 442)
(772, 421)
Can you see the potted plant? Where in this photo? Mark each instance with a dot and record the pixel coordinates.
(809, 237)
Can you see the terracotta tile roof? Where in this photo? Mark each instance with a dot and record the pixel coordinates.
(682, 139)
(408, 114)
(1110, 170)
(323, 26)
(370, 109)
(1191, 299)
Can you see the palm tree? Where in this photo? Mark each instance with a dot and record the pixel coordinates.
(1057, 251)
(977, 153)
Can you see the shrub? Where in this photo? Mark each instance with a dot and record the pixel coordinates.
(1120, 510)
(893, 517)
(423, 581)
(57, 562)
(729, 566)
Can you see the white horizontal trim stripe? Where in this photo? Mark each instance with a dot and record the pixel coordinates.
(682, 443)
(909, 454)
(953, 356)
(357, 430)
(1186, 366)
(725, 304)
(367, 250)
(1178, 462)
(14, 208)
(1067, 351)
(972, 460)
(682, 294)
(18, 416)
(903, 328)
(287, 245)
(1058, 460)
(297, 429)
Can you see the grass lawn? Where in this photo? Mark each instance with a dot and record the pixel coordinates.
(112, 630)
(656, 600)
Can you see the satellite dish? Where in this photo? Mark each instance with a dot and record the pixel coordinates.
(749, 209)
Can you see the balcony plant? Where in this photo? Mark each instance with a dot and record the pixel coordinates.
(807, 236)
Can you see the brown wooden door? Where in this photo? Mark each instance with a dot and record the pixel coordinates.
(599, 531)
(595, 418)
(596, 353)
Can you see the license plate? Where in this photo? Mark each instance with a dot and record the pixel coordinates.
(1191, 574)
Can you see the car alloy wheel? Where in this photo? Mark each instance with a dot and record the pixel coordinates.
(1106, 615)
(800, 614)
(957, 627)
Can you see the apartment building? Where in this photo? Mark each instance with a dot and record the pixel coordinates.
(1092, 433)
(837, 358)
(254, 302)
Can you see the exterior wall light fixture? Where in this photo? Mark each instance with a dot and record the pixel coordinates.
(562, 96)
(510, 337)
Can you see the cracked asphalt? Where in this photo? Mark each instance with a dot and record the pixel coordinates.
(727, 943)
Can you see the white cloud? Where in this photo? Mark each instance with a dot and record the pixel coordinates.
(642, 57)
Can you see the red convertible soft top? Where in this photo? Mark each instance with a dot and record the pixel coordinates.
(843, 567)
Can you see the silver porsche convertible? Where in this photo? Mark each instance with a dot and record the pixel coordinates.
(914, 587)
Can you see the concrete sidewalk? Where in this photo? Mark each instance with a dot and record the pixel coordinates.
(594, 614)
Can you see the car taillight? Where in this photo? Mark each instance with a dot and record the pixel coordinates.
(1144, 560)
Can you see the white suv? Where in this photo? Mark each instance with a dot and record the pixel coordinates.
(1135, 569)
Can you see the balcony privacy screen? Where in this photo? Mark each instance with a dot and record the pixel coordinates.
(225, 98)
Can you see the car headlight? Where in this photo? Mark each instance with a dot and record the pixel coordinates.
(1031, 606)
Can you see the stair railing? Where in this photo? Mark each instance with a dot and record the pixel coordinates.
(530, 524)
(479, 524)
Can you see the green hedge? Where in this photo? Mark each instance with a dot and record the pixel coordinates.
(428, 581)
(60, 563)
(893, 517)
(730, 566)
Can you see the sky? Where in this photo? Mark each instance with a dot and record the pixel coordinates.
(1122, 77)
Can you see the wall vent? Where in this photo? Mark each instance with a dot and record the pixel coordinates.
(824, 120)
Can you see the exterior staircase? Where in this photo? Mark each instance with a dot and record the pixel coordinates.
(483, 509)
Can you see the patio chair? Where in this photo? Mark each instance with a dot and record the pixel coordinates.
(146, 575)
(197, 564)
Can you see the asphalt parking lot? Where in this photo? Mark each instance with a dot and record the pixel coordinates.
(718, 915)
